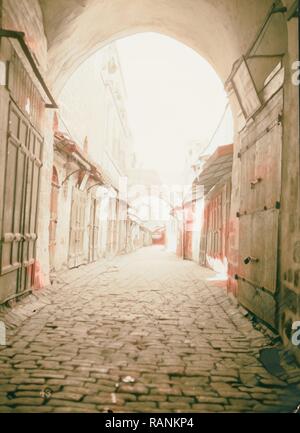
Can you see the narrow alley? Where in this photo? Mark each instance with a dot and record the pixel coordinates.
(149, 206)
(145, 332)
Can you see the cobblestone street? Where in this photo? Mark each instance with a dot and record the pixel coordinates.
(143, 332)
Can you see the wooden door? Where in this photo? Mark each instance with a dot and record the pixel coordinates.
(204, 237)
(77, 228)
(261, 145)
(20, 204)
(53, 218)
(213, 238)
(94, 230)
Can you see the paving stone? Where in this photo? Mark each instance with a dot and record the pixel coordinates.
(64, 382)
(27, 380)
(156, 319)
(165, 390)
(73, 409)
(33, 409)
(65, 403)
(26, 401)
(6, 409)
(47, 374)
(133, 389)
(109, 399)
(205, 407)
(174, 406)
(129, 397)
(141, 406)
(181, 399)
(152, 397)
(69, 396)
(8, 388)
(213, 400)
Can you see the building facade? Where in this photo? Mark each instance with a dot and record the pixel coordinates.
(88, 218)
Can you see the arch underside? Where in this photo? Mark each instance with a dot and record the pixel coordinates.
(219, 30)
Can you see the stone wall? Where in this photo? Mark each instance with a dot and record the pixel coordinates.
(289, 272)
(64, 213)
(42, 249)
(26, 16)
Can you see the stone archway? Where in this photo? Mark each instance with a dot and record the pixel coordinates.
(206, 26)
(63, 33)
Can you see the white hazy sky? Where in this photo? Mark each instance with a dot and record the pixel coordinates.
(174, 96)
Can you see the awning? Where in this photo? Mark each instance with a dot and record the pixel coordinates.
(215, 168)
(65, 145)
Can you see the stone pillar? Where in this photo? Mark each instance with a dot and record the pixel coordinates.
(42, 247)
